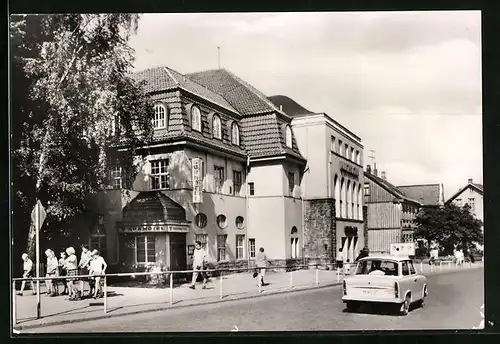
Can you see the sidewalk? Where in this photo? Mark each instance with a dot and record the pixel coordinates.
(132, 300)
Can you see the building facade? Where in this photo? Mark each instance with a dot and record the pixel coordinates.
(391, 213)
(332, 183)
(224, 168)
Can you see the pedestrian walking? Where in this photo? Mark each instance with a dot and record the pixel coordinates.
(199, 263)
(72, 270)
(261, 261)
(27, 273)
(84, 267)
(52, 271)
(340, 259)
(97, 267)
(62, 271)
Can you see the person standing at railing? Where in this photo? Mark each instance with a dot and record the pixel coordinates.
(340, 260)
(261, 261)
(62, 271)
(52, 271)
(97, 267)
(27, 273)
(84, 267)
(199, 262)
(72, 270)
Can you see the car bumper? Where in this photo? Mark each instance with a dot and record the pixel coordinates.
(346, 299)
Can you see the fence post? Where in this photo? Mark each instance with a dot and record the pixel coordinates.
(14, 304)
(432, 267)
(105, 295)
(171, 288)
(221, 273)
(38, 300)
(338, 274)
(421, 267)
(440, 265)
(291, 279)
(470, 263)
(317, 275)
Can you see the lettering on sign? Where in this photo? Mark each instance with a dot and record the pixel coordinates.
(178, 229)
(197, 180)
(346, 168)
(160, 228)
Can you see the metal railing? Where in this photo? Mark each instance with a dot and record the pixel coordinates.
(348, 269)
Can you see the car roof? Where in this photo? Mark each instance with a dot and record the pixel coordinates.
(386, 257)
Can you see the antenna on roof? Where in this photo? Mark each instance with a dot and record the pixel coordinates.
(372, 156)
(218, 55)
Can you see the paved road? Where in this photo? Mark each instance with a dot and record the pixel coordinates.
(453, 303)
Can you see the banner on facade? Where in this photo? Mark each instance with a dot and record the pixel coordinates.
(197, 180)
(403, 249)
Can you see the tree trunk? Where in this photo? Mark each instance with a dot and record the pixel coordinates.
(31, 241)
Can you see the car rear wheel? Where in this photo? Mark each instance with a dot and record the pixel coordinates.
(421, 302)
(405, 306)
(353, 306)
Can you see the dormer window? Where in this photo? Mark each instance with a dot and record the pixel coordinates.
(235, 134)
(196, 118)
(160, 119)
(288, 136)
(217, 127)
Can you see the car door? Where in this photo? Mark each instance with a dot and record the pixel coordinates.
(406, 280)
(418, 281)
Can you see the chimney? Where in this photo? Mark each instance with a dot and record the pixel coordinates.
(469, 181)
(368, 169)
(281, 107)
(375, 169)
(382, 174)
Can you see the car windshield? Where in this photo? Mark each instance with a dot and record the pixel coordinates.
(377, 267)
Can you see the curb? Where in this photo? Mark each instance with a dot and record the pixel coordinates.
(236, 298)
(163, 308)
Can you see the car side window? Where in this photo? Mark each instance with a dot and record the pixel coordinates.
(412, 268)
(406, 270)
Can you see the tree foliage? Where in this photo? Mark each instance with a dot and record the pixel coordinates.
(73, 103)
(449, 226)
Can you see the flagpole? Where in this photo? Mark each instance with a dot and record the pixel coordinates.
(37, 229)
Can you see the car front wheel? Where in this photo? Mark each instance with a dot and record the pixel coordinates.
(405, 306)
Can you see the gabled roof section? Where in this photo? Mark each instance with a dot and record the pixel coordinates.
(153, 206)
(477, 187)
(427, 194)
(160, 79)
(395, 191)
(240, 94)
(290, 106)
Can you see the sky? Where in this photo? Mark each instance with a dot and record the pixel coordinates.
(407, 83)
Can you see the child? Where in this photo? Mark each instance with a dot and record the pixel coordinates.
(72, 270)
(52, 271)
(62, 271)
(97, 267)
(28, 272)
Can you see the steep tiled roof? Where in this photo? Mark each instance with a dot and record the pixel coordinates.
(261, 135)
(243, 96)
(163, 78)
(395, 191)
(290, 106)
(428, 194)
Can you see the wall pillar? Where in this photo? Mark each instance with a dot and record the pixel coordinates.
(320, 229)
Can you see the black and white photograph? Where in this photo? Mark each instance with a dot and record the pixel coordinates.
(246, 172)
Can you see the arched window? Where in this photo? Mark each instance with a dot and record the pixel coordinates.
(294, 243)
(357, 158)
(160, 119)
(354, 213)
(288, 137)
(342, 198)
(235, 134)
(336, 193)
(217, 127)
(360, 203)
(196, 118)
(222, 221)
(348, 195)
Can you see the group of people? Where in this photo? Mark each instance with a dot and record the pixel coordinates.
(91, 263)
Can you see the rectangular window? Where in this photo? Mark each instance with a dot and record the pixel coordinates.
(357, 158)
(351, 156)
(291, 182)
(366, 189)
(251, 247)
(116, 177)
(203, 238)
(236, 182)
(98, 242)
(159, 174)
(472, 205)
(346, 151)
(406, 270)
(145, 249)
(251, 189)
(240, 241)
(340, 147)
(115, 126)
(412, 268)
(294, 247)
(332, 148)
(458, 201)
(221, 247)
(219, 178)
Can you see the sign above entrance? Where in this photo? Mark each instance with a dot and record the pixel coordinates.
(197, 173)
(348, 169)
(158, 228)
(403, 249)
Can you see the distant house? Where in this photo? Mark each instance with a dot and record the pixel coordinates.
(430, 195)
(391, 212)
(471, 194)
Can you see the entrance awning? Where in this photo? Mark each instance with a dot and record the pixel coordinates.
(153, 211)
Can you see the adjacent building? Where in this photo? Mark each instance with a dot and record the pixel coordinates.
(429, 195)
(331, 185)
(390, 212)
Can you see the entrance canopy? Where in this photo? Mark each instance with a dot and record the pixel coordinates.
(153, 211)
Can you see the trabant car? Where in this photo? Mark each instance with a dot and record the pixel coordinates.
(385, 280)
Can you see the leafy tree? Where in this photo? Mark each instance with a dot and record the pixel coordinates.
(74, 103)
(449, 226)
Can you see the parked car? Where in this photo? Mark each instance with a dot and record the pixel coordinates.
(389, 280)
